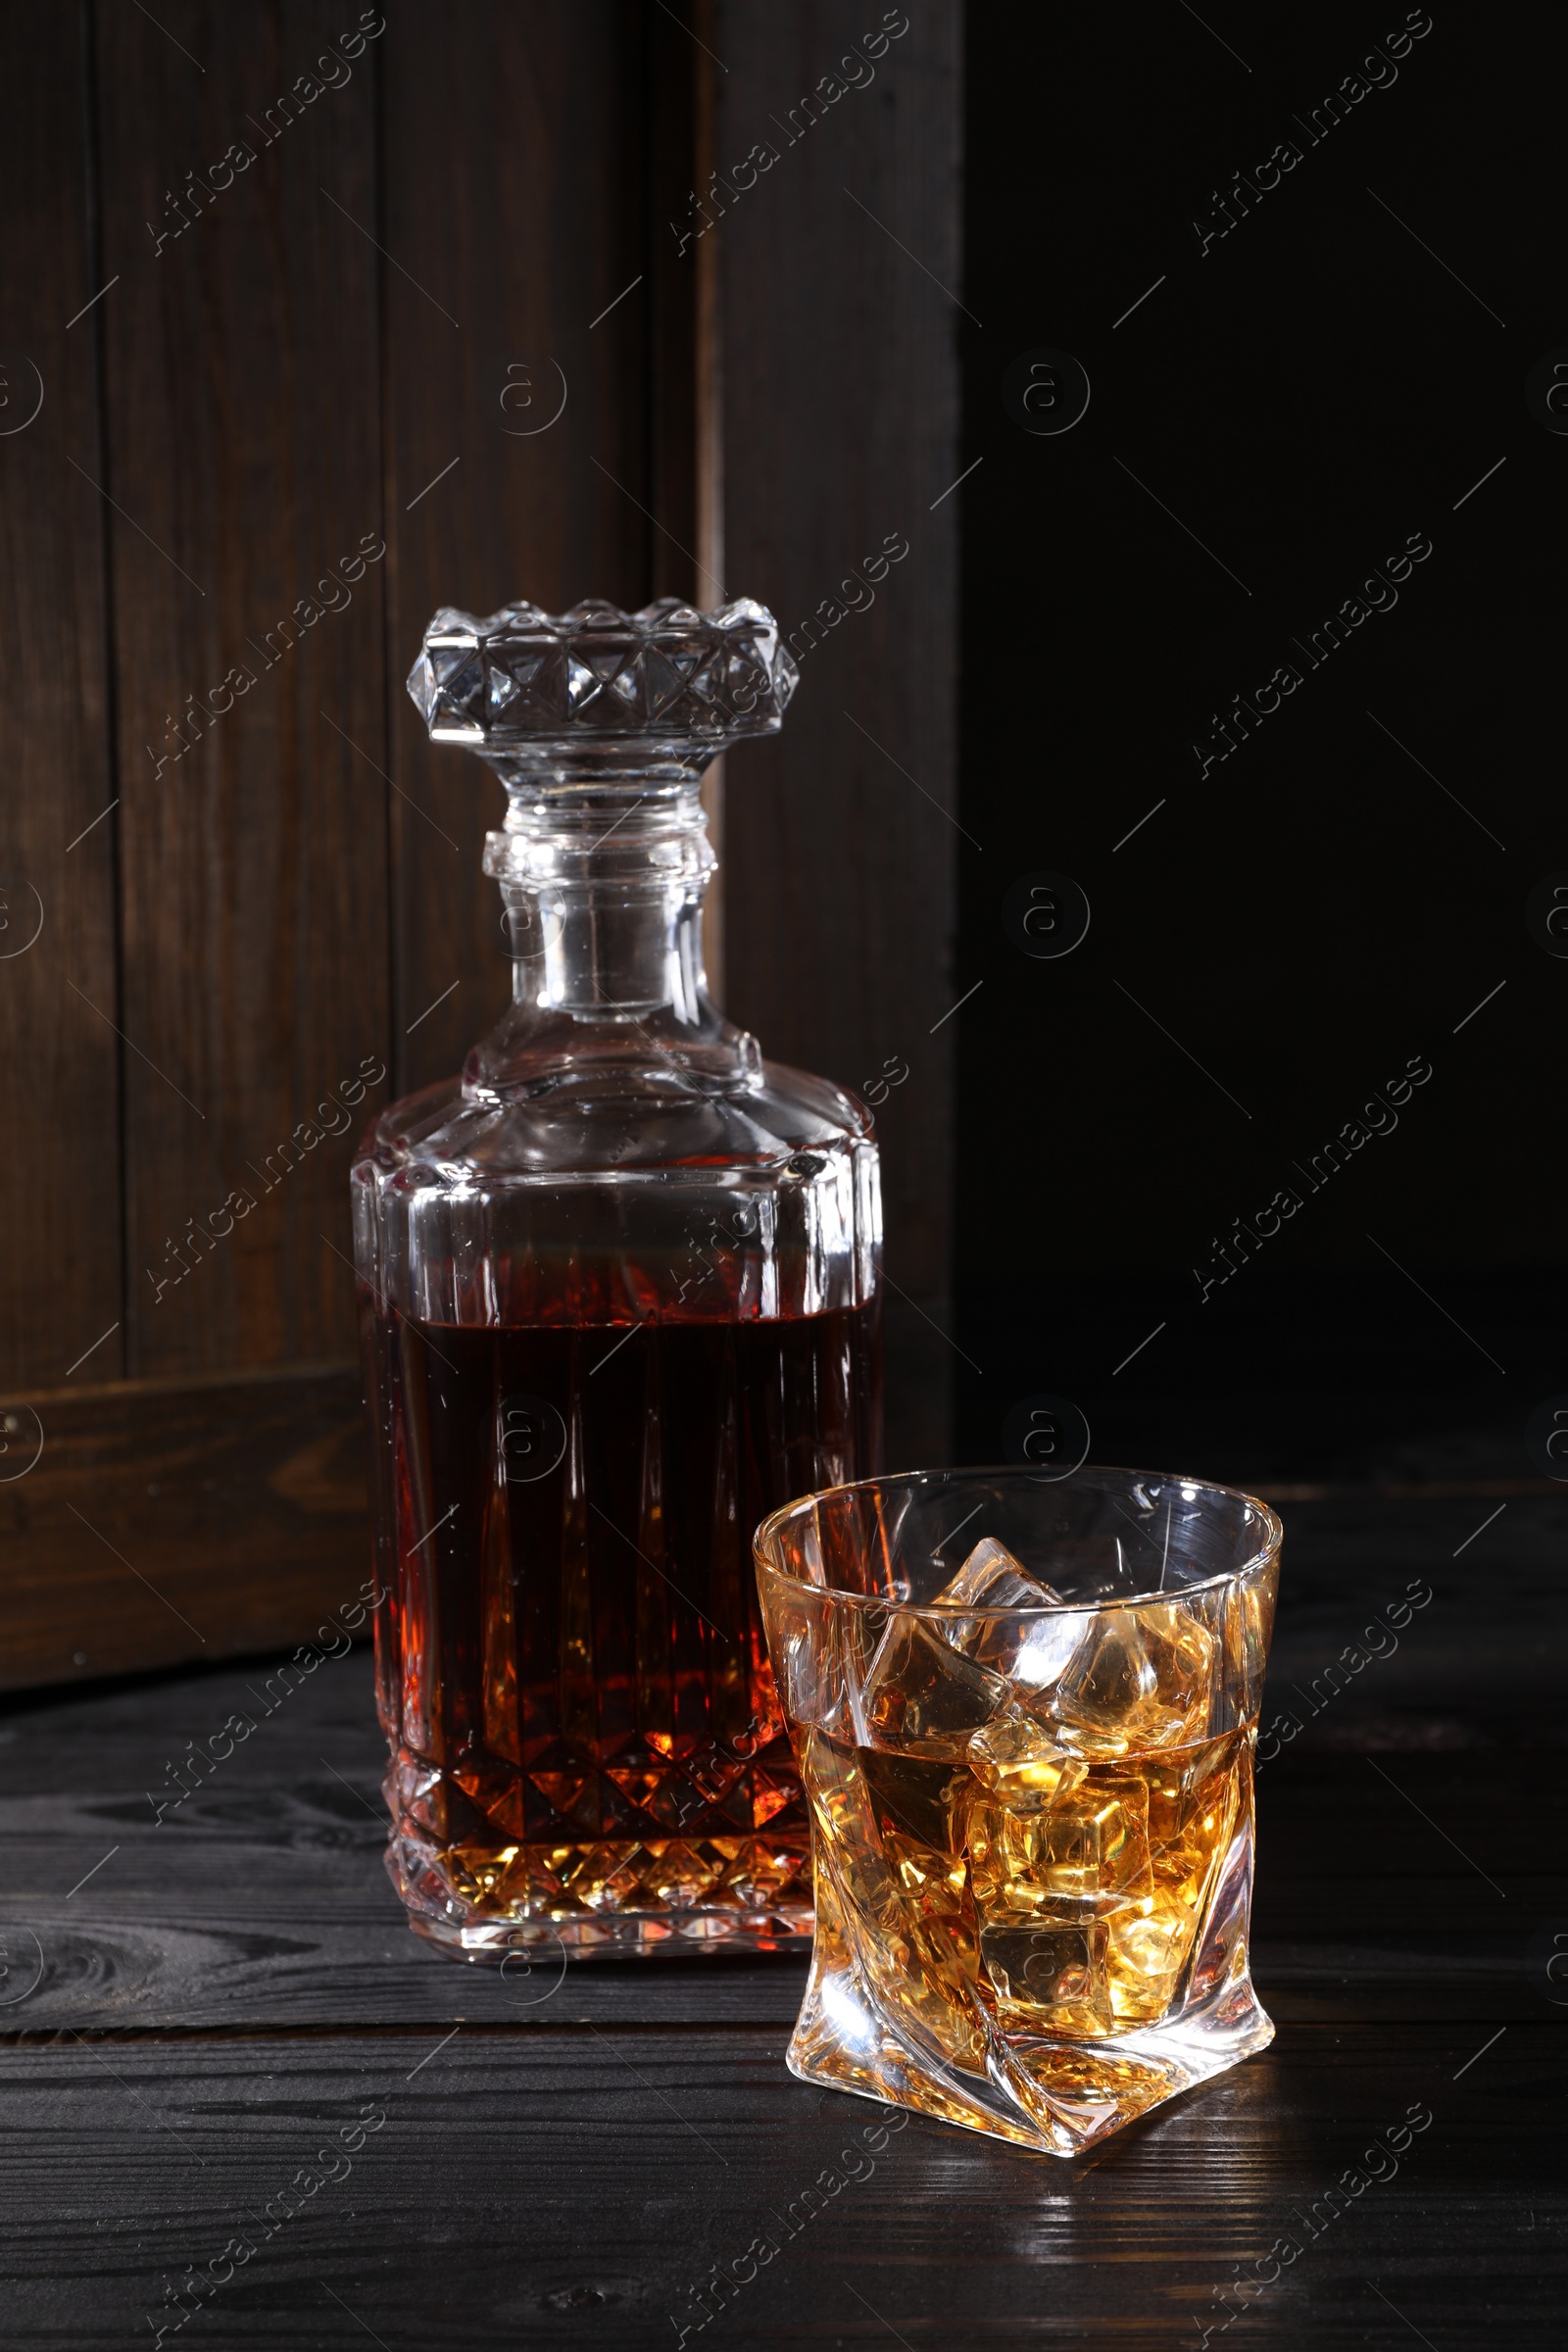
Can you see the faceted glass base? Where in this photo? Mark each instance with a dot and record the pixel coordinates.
(935, 2037)
(1041, 2091)
(595, 1902)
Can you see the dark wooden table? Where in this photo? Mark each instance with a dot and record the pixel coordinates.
(221, 2035)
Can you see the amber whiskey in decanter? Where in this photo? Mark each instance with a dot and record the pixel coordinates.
(619, 1288)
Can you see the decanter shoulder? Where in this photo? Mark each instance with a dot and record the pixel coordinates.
(609, 1120)
(607, 1206)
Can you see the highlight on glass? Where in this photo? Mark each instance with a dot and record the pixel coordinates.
(1024, 1710)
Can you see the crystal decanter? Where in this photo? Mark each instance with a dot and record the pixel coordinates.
(620, 1293)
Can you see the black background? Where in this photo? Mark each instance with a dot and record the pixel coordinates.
(1306, 396)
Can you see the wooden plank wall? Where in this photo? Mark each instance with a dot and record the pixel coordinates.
(242, 449)
(841, 431)
(61, 1265)
(525, 244)
(272, 264)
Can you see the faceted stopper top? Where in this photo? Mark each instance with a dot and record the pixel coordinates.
(597, 694)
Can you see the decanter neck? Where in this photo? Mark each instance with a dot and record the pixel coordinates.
(604, 894)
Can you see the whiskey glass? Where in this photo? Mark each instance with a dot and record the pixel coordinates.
(619, 1288)
(1025, 1710)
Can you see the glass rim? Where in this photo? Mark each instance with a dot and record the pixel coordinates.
(1273, 1536)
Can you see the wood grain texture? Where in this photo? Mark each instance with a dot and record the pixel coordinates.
(59, 1288)
(1477, 1664)
(574, 2188)
(841, 429)
(168, 1520)
(259, 1899)
(506, 261)
(679, 111)
(242, 395)
(293, 215)
(196, 2005)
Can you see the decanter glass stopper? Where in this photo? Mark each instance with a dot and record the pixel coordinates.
(563, 700)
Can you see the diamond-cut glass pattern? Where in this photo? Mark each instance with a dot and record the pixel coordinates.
(587, 1749)
(522, 684)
